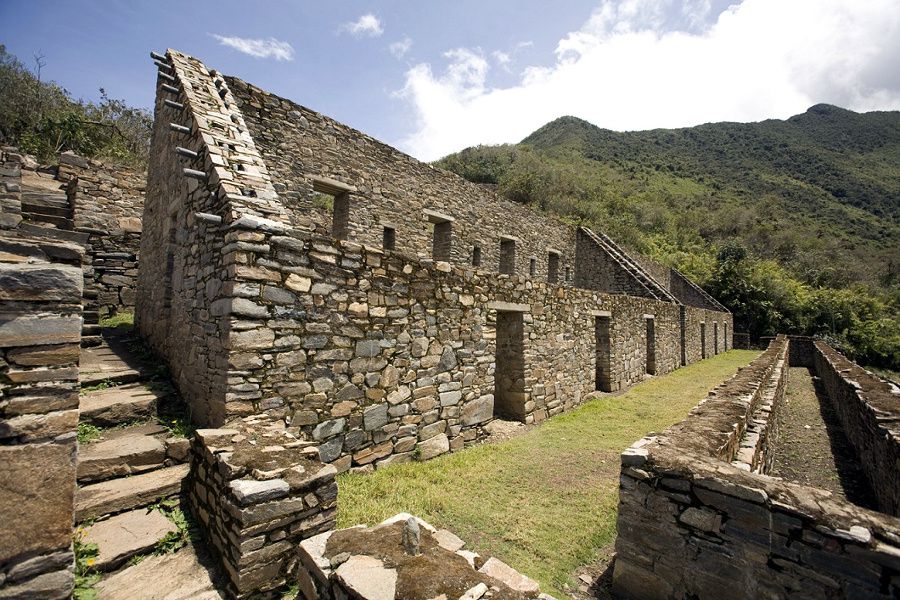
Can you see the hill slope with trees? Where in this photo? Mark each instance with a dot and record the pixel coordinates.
(794, 225)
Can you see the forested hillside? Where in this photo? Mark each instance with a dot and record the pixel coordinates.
(792, 224)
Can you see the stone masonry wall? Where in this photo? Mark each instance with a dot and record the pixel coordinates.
(184, 264)
(107, 203)
(374, 354)
(691, 524)
(40, 335)
(258, 492)
(868, 409)
(693, 318)
(10, 188)
(392, 189)
(596, 270)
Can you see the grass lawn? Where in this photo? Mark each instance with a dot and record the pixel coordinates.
(544, 502)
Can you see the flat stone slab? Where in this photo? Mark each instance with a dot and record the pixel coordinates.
(184, 575)
(368, 577)
(125, 493)
(119, 456)
(501, 571)
(117, 405)
(122, 536)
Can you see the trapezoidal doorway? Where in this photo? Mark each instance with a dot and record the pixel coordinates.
(602, 370)
(509, 374)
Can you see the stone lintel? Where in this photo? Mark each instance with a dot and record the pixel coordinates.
(326, 185)
(554, 251)
(509, 307)
(509, 238)
(602, 313)
(649, 317)
(436, 217)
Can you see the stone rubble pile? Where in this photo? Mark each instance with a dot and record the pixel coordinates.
(404, 557)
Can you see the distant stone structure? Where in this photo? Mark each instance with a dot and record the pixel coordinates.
(700, 518)
(385, 309)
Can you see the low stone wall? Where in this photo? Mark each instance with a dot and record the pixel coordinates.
(691, 524)
(257, 492)
(40, 335)
(802, 351)
(869, 412)
(107, 203)
(404, 557)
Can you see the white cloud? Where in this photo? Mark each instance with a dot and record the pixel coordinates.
(259, 48)
(506, 59)
(367, 25)
(640, 64)
(401, 47)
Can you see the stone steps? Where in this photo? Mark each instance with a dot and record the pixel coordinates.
(126, 493)
(120, 405)
(62, 223)
(184, 575)
(127, 534)
(125, 452)
(53, 232)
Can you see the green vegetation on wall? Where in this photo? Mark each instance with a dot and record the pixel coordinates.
(791, 224)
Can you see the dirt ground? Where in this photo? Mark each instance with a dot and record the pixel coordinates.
(811, 448)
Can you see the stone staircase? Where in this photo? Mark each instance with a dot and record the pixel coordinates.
(131, 474)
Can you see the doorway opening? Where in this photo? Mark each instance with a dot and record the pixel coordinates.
(509, 374)
(651, 346)
(602, 370)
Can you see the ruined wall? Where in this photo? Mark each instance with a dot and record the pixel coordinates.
(107, 202)
(256, 506)
(375, 354)
(393, 189)
(692, 524)
(40, 335)
(868, 409)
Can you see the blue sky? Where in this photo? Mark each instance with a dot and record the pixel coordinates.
(433, 77)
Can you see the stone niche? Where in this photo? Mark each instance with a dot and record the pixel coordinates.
(404, 557)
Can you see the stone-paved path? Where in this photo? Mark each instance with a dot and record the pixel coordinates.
(812, 448)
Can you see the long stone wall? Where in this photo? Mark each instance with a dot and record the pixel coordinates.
(869, 412)
(373, 353)
(377, 355)
(107, 203)
(706, 333)
(40, 334)
(692, 524)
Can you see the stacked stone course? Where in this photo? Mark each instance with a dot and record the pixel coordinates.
(258, 491)
(699, 518)
(40, 334)
(107, 203)
(869, 411)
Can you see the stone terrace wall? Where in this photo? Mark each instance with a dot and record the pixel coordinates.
(107, 203)
(869, 411)
(258, 492)
(392, 189)
(376, 354)
(692, 525)
(40, 335)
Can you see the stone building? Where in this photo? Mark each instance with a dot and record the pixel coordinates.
(293, 266)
